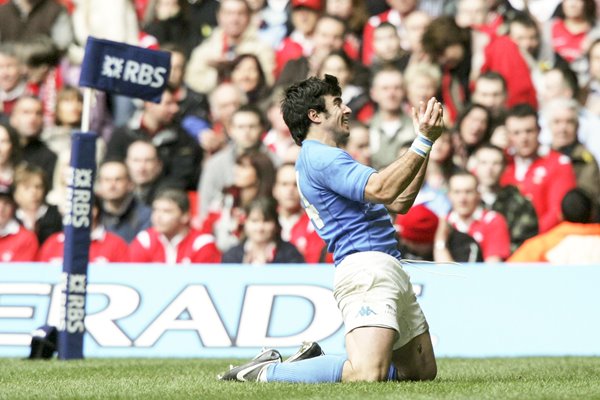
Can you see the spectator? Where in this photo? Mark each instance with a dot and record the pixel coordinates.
(570, 25)
(41, 58)
(299, 43)
(397, 16)
(416, 23)
(465, 53)
(354, 12)
(543, 179)
(67, 118)
(338, 64)
(386, 47)
(357, 143)
(180, 155)
(487, 227)
(28, 18)
(489, 164)
(247, 74)
(27, 120)
(417, 237)
(561, 116)
(30, 189)
(16, 242)
(122, 213)
(295, 225)
(105, 247)
(263, 243)
(12, 78)
(591, 97)
(247, 127)
(253, 177)
(278, 138)
(328, 36)
(575, 241)
(423, 82)
(490, 92)
(170, 239)
(390, 127)
(10, 155)
(440, 167)
(146, 170)
(232, 37)
(168, 21)
(473, 128)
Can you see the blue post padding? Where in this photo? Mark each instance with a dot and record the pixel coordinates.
(77, 223)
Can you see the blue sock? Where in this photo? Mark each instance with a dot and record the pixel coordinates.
(392, 373)
(314, 370)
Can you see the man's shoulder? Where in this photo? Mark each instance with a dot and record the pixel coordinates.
(318, 156)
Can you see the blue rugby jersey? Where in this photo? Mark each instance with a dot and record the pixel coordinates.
(332, 190)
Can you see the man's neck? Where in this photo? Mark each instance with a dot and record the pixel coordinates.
(322, 136)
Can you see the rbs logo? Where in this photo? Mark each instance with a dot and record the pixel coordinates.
(133, 71)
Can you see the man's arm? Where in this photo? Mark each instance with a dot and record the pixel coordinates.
(386, 185)
(404, 202)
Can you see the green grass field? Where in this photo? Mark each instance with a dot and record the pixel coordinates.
(521, 378)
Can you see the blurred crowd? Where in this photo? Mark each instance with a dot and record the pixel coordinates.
(207, 175)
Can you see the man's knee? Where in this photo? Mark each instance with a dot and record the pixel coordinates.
(423, 372)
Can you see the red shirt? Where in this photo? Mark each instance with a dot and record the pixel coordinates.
(194, 247)
(17, 243)
(105, 247)
(545, 183)
(306, 239)
(568, 45)
(488, 228)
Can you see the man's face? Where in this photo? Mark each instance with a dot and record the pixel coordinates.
(554, 86)
(489, 165)
(167, 217)
(10, 72)
(304, 19)
(563, 125)
(223, 103)
(113, 182)
(245, 130)
(177, 69)
(329, 35)
(233, 17)
(285, 190)
(388, 91)
(164, 112)
(7, 211)
(404, 7)
(523, 135)
(336, 116)
(29, 194)
(525, 37)
(386, 43)
(359, 146)
(463, 195)
(143, 163)
(420, 88)
(415, 25)
(27, 117)
(490, 93)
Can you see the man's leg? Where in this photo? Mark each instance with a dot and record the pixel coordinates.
(369, 354)
(415, 360)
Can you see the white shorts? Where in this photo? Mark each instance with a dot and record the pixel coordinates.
(372, 289)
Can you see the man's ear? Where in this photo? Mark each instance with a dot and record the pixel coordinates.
(314, 116)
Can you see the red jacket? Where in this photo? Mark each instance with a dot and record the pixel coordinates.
(306, 239)
(105, 247)
(17, 243)
(545, 183)
(489, 229)
(195, 247)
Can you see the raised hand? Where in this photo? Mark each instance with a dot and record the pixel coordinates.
(429, 121)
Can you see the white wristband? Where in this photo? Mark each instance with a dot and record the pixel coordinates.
(421, 145)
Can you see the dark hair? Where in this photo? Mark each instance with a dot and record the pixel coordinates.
(493, 76)
(39, 50)
(493, 147)
(265, 170)
(225, 72)
(304, 96)
(464, 113)
(589, 11)
(570, 79)
(522, 110)
(267, 206)
(576, 206)
(341, 54)
(251, 108)
(177, 196)
(525, 19)
(442, 33)
(13, 137)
